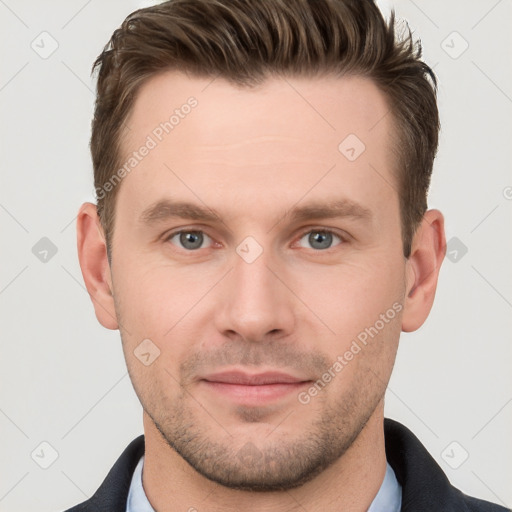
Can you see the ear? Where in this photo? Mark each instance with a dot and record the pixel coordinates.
(422, 269)
(92, 254)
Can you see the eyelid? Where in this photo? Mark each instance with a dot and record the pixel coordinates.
(168, 236)
(342, 235)
(184, 229)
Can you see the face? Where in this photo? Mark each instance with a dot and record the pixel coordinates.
(264, 263)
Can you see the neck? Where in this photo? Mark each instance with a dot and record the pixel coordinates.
(350, 483)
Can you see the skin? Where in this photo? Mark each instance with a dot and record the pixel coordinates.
(252, 155)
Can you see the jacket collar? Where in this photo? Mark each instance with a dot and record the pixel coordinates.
(424, 485)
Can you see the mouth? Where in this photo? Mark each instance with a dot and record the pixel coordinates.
(253, 389)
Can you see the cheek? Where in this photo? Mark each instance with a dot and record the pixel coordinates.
(152, 308)
(152, 298)
(166, 306)
(351, 297)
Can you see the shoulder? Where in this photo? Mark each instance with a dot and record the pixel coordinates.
(112, 494)
(425, 487)
(477, 505)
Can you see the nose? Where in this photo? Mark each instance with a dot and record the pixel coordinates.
(255, 303)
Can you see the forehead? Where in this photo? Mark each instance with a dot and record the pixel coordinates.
(317, 109)
(279, 138)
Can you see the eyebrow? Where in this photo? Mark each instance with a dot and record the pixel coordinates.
(329, 210)
(167, 209)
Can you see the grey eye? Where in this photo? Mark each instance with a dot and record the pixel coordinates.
(319, 239)
(190, 240)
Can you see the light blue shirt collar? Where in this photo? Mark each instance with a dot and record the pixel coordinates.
(388, 499)
(137, 499)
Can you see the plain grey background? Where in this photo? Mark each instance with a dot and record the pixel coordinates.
(63, 377)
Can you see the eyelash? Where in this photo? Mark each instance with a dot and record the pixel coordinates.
(343, 239)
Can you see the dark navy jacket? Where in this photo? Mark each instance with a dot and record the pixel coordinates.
(425, 488)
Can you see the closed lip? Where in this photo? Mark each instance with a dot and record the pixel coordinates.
(257, 379)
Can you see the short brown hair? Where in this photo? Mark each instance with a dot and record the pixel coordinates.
(245, 41)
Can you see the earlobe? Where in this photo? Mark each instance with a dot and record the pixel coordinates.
(92, 255)
(422, 270)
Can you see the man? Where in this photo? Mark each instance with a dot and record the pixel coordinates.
(261, 239)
